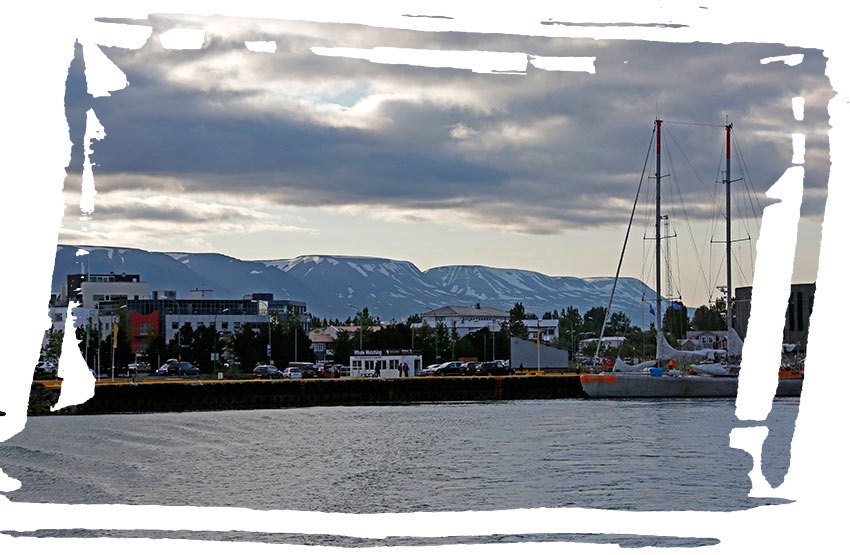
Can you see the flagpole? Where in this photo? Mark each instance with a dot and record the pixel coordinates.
(538, 346)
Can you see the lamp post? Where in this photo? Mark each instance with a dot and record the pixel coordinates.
(114, 340)
(215, 340)
(360, 313)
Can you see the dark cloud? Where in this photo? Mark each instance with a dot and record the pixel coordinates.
(545, 151)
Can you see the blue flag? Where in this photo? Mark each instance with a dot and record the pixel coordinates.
(651, 310)
(677, 306)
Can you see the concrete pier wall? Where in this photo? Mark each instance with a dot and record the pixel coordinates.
(266, 394)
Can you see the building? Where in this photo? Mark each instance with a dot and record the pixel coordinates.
(96, 290)
(698, 340)
(607, 342)
(467, 319)
(284, 307)
(797, 314)
(321, 344)
(528, 355)
(151, 317)
(365, 363)
(548, 329)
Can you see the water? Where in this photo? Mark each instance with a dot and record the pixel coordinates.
(608, 454)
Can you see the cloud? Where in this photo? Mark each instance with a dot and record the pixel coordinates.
(543, 152)
(126, 219)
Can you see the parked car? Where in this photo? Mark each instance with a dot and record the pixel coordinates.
(45, 367)
(170, 368)
(449, 369)
(495, 368)
(311, 372)
(187, 369)
(469, 368)
(293, 373)
(267, 371)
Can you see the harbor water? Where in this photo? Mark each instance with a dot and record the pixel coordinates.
(609, 454)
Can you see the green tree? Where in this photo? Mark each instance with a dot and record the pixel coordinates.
(155, 351)
(569, 328)
(619, 323)
(248, 346)
(592, 321)
(343, 348)
(710, 318)
(53, 345)
(675, 322)
(515, 321)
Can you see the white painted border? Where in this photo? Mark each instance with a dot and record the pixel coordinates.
(36, 53)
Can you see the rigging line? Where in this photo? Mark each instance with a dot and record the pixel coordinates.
(750, 190)
(746, 169)
(625, 242)
(675, 181)
(691, 234)
(740, 269)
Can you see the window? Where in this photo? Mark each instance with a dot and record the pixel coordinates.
(224, 325)
(320, 347)
(144, 328)
(174, 325)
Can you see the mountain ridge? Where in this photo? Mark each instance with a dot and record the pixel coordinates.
(337, 286)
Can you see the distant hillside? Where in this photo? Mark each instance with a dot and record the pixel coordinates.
(392, 289)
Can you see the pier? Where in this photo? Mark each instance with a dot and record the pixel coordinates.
(213, 395)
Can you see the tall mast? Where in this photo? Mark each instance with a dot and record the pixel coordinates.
(728, 228)
(658, 234)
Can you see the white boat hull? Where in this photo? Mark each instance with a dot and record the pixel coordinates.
(646, 385)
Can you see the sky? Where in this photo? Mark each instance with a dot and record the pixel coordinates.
(267, 155)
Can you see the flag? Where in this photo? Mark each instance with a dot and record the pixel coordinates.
(677, 306)
(114, 334)
(538, 337)
(651, 310)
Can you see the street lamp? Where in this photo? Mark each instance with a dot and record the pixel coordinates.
(360, 312)
(114, 339)
(215, 341)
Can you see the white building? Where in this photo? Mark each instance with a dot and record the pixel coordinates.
(365, 363)
(95, 294)
(466, 319)
(608, 341)
(548, 329)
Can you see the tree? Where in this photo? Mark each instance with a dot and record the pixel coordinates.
(248, 347)
(53, 345)
(156, 351)
(569, 328)
(710, 318)
(515, 321)
(619, 323)
(675, 321)
(343, 348)
(592, 321)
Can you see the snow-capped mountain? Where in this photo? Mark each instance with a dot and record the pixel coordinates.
(538, 293)
(332, 285)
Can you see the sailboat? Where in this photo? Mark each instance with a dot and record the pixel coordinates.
(713, 372)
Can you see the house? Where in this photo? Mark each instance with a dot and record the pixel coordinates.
(612, 341)
(466, 319)
(548, 329)
(322, 344)
(704, 340)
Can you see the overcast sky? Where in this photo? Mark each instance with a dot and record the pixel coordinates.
(273, 155)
